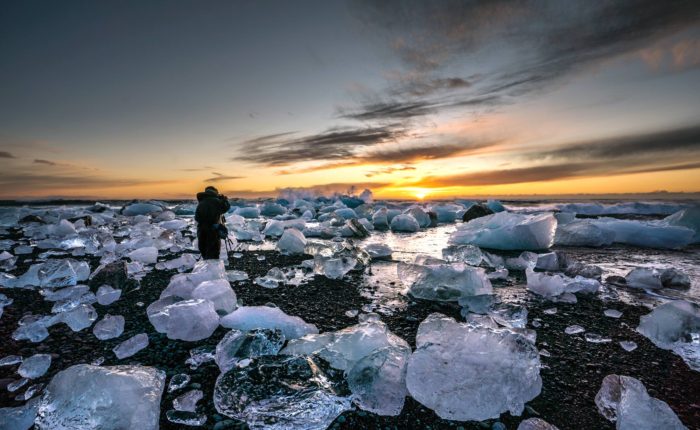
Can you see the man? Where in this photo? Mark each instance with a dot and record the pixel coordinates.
(212, 206)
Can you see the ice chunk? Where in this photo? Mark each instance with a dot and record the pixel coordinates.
(468, 254)
(183, 284)
(536, 424)
(404, 223)
(135, 209)
(444, 282)
(57, 273)
(379, 251)
(380, 219)
(34, 331)
(420, 216)
(612, 313)
(146, 255)
(16, 385)
(378, 380)
(625, 400)
(199, 356)
(178, 381)
(674, 278)
(236, 275)
(574, 329)
(272, 279)
(271, 209)
(248, 212)
(582, 232)
(507, 231)
(219, 292)
(188, 402)
(551, 261)
(640, 277)
(472, 373)
(182, 263)
(596, 338)
(35, 366)
(10, 360)
(628, 345)
(279, 393)
(247, 318)
(237, 345)
(689, 218)
(189, 419)
(292, 242)
(79, 318)
(545, 285)
(190, 320)
(86, 397)
(509, 315)
(109, 327)
(334, 268)
(675, 326)
(603, 231)
(131, 346)
(106, 295)
(21, 417)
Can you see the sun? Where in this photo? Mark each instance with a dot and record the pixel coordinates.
(420, 193)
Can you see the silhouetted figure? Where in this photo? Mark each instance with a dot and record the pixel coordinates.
(210, 210)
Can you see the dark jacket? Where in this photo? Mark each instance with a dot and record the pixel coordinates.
(210, 208)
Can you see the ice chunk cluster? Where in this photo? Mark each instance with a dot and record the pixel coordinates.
(554, 285)
(464, 372)
(625, 400)
(444, 282)
(508, 231)
(675, 326)
(85, 397)
(281, 392)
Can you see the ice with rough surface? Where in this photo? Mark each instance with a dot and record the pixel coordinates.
(109, 327)
(280, 393)
(507, 231)
(466, 373)
(146, 255)
(574, 329)
(378, 380)
(444, 282)
(183, 284)
(379, 251)
(292, 242)
(85, 397)
(404, 223)
(536, 424)
(106, 295)
(188, 402)
(131, 346)
(675, 326)
(79, 318)
(625, 400)
(333, 267)
(237, 345)
(34, 366)
(556, 285)
(646, 278)
(251, 317)
(20, 417)
(219, 292)
(190, 320)
(178, 381)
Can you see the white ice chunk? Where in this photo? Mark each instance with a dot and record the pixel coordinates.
(219, 292)
(646, 278)
(85, 397)
(333, 268)
(106, 295)
(131, 346)
(251, 317)
(507, 231)
(675, 326)
(146, 255)
(625, 400)
(141, 209)
(190, 320)
(292, 242)
(405, 223)
(472, 373)
(35, 366)
(109, 327)
(444, 282)
(248, 212)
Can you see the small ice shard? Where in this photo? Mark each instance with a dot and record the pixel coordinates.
(333, 268)
(219, 292)
(675, 326)
(281, 392)
(236, 275)
(404, 223)
(444, 282)
(272, 279)
(10, 360)
(199, 356)
(188, 402)
(628, 345)
(76, 398)
(648, 279)
(536, 424)
(190, 419)
(237, 345)
(106, 295)
(352, 313)
(466, 373)
(625, 400)
(612, 313)
(79, 318)
(189, 320)
(34, 366)
(29, 392)
(508, 315)
(596, 338)
(145, 255)
(550, 311)
(178, 381)
(182, 263)
(131, 346)
(574, 329)
(292, 242)
(507, 231)
(20, 417)
(551, 261)
(247, 318)
(379, 251)
(378, 380)
(16, 385)
(109, 327)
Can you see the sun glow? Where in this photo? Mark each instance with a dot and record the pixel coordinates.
(421, 193)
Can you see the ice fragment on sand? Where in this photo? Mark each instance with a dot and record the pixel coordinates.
(472, 373)
(131, 346)
(35, 366)
(272, 279)
(628, 345)
(178, 381)
(76, 398)
(251, 317)
(21, 417)
(219, 292)
(146, 255)
(574, 329)
(536, 424)
(675, 326)
(10, 360)
(507, 231)
(333, 267)
(292, 242)
(188, 402)
(625, 400)
(191, 419)
(596, 338)
(444, 282)
(236, 275)
(378, 380)
(237, 345)
(612, 313)
(106, 295)
(189, 320)
(379, 251)
(281, 392)
(109, 327)
(404, 223)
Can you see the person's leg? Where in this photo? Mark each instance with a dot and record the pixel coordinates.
(214, 247)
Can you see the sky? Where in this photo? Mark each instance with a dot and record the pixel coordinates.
(412, 99)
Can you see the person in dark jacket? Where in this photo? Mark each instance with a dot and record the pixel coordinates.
(209, 216)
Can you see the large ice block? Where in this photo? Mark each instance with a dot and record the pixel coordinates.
(252, 317)
(508, 231)
(444, 282)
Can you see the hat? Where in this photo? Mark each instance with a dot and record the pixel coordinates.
(210, 188)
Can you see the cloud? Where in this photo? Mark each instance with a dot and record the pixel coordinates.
(389, 110)
(46, 162)
(219, 177)
(5, 154)
(389, 170)
(322, 189)
(18, 182)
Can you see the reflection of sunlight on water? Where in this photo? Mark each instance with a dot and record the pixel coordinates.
(407, 245)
